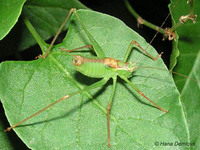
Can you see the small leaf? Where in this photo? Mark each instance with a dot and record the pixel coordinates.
(80, 122)
(9, 13)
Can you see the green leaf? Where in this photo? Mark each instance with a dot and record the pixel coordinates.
(187, 45)
(46, 16)
(190, 98)
(80, 122)
(188, 63)
(9, 13)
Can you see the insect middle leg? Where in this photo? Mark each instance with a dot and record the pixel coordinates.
(141, 93)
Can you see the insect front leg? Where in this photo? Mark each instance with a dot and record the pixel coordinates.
(57, 33)
(97, 49)
(138, 45)
(94, 45)
(75, 49)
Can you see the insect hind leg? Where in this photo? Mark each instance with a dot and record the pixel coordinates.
(109, 107)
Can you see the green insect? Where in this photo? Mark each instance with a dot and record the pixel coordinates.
(101, 67)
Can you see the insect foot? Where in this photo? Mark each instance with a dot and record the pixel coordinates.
(40, 56)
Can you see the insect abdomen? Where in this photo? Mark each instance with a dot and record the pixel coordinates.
(100, 68)
(92, 67)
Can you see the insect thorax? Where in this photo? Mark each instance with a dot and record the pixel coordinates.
(100, 68)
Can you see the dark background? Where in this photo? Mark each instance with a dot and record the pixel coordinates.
(155, 11)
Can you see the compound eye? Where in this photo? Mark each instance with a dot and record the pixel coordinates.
(75, 61)
(78, 61)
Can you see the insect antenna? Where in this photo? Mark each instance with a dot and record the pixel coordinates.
(182, 75)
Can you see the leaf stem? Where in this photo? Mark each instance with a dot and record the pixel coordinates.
(191, 8)
(168, 32)
(36, 36)
(175, 26)
(140, 20)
